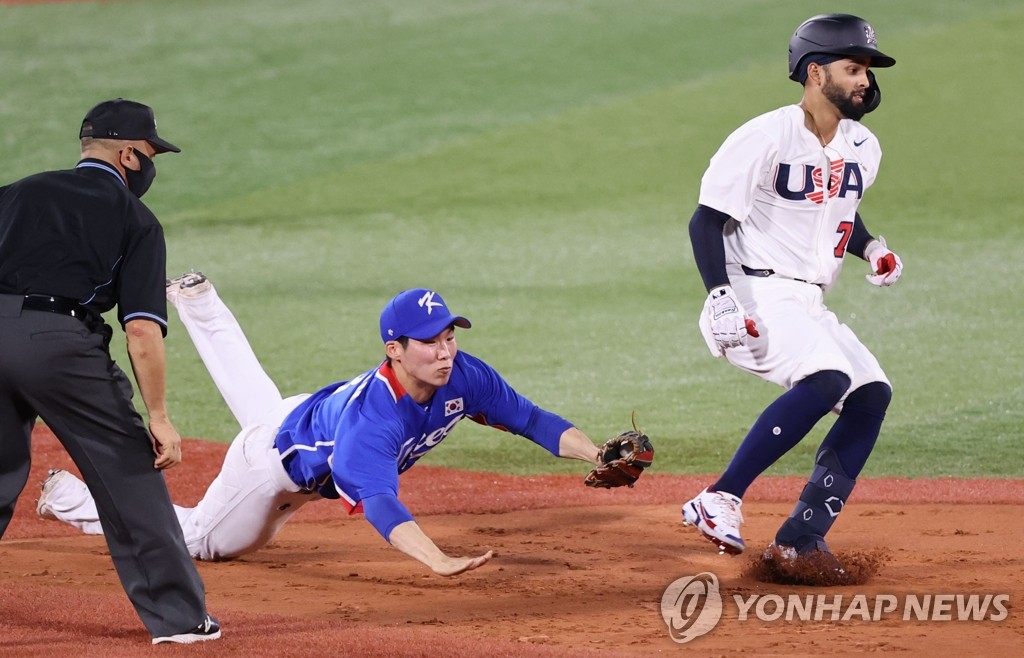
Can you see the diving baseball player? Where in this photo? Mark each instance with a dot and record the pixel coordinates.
(350, 440)
(777, 213)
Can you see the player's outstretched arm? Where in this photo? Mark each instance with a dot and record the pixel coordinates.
(574, 444)
(394, 522)
(621, 460)
(411, 540)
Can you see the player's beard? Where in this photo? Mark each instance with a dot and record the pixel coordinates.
(847, 105)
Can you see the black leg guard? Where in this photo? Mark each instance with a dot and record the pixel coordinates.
(822, 499)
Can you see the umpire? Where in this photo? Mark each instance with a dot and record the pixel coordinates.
(74, 244)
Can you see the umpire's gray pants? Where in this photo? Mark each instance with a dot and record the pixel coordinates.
(54, 367)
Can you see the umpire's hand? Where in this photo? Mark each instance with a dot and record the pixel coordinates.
(166, 444)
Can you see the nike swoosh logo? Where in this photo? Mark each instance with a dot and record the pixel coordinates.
(856, 143)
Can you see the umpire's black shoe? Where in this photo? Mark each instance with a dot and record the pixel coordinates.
(209, 629)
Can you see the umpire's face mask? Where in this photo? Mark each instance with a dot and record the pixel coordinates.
(140, 180)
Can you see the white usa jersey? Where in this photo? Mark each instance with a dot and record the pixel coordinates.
(791, 201)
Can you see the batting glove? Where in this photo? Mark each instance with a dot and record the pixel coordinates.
(729, 324)
(886, 265)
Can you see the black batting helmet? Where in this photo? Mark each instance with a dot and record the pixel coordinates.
(835, 34)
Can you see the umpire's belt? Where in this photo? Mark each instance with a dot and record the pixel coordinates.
(764, 273)
(61, 305)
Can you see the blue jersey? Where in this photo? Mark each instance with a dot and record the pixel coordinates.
(353, 439)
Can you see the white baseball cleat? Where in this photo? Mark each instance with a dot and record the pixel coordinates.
(718, 517)
(190, 284)
(42, 508)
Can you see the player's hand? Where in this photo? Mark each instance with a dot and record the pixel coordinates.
(886, 265)
(453, 566)
(729, 322)
(166, 444)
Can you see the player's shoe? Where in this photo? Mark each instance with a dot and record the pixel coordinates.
(812, 549)
(189, 284)
(781, 553)
(718, 517)
(43, 508)
(208, 629)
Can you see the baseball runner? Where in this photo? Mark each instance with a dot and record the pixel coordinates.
(350, 440)
(777, 213)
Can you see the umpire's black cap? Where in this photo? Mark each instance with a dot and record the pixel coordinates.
(124, 119)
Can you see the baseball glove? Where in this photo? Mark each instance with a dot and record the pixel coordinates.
(623, 458)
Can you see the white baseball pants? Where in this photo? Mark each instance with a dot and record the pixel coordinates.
(252, 497)
(799, 335)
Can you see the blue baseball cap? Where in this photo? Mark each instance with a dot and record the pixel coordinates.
(418, 314)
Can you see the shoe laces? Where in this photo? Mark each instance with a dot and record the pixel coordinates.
(729, 510)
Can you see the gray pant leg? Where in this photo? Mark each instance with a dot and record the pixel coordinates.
(66, 375)
(16, 421)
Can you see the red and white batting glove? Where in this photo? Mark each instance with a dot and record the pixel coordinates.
(886, 265)
(729, 322)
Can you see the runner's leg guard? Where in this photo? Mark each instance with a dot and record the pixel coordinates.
(822, 499)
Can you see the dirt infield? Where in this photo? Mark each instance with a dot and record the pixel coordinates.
(578, 572)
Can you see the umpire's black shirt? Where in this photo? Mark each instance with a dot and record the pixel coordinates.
(81, 234)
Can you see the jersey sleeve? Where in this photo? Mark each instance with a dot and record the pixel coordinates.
(365, 457)
(385, 512)
(737, 170)
(497, 404)
(871, 158)
(143, 273)
(365, 472)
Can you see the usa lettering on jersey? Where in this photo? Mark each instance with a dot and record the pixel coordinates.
(844, 178)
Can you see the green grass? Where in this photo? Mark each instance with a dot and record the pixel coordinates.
(537, 163)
